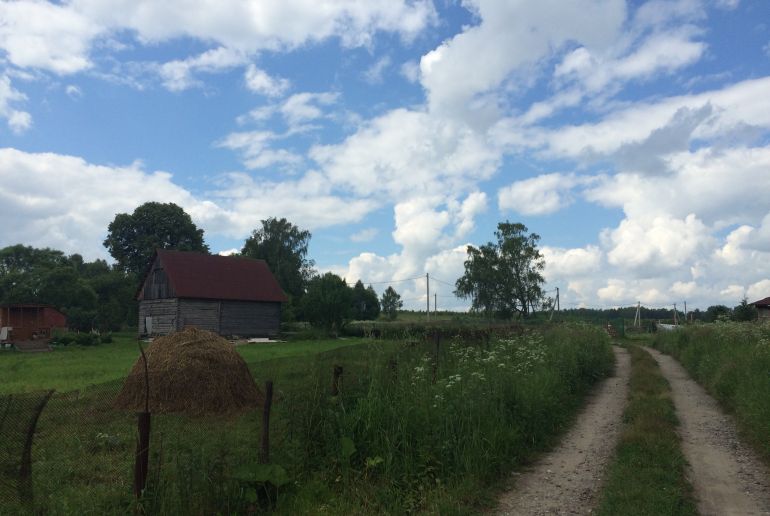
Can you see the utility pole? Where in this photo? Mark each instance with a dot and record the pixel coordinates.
(555, 304)
(638, 315)
(434, 302)
(427, 296)
(685, 311)
(675, 321)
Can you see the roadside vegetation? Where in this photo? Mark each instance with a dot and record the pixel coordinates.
(647, 475)
(732, 362)
(414, 428)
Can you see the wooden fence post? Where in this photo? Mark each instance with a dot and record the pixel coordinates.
(142, 459)
(264, 452)
(336, 378)
(25, 471)
(437, 343)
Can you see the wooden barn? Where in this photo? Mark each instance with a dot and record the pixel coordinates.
(22, 322)
(224, 294)
(763, 309)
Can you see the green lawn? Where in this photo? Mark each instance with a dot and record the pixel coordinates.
(74, 367)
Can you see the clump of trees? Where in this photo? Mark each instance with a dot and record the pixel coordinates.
(504, 278)
(93, 295)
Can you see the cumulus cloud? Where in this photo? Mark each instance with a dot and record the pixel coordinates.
(179, 75)
(257, 149)
(511, 35)
(64, 202)
(18, 121)
(406, 152)
(48, 36)
(259, 81)
(540, 195)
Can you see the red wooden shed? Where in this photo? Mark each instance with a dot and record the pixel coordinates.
(31, 321)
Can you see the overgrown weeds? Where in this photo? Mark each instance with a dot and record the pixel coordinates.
(646, 476)
(732, 361)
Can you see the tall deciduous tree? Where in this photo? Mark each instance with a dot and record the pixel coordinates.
(505, 277)
(132, 239)
(391, 303)
(284, 247)
(327, 302)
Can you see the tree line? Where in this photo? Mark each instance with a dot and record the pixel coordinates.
(97, 295)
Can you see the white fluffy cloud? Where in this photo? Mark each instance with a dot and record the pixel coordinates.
(18, 121)
(509, 36)
(64, 202)
(179, 74)
(259, 81)
(406, 152)
(540, 195)
(40, 34)
(60, 37)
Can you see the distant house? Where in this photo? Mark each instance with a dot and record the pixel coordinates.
(28, 321)
(224, 294)
(763, 309)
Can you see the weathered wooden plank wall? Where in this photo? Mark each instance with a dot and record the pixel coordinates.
(164, 313)
(201, 313)
(250, 318)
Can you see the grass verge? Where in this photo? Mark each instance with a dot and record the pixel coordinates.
(732, 362)
(647, 474)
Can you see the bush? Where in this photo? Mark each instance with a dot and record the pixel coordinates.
(106, 338)
(87, 339)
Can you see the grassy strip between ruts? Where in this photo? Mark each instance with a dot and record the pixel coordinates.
(647, 474)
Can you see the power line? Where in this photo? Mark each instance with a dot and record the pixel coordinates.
(384, 282)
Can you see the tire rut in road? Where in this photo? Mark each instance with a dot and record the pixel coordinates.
(727, 477)
(567, 479)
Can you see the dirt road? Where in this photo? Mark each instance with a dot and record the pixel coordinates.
(566, 480)
(727, 477)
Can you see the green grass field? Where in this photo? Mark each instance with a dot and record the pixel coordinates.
(75, 367)
(411, 431)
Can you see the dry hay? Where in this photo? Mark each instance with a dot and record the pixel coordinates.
(192, 371)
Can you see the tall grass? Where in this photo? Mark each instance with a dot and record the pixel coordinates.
(431, 431)
(732, 361)
(394, 440)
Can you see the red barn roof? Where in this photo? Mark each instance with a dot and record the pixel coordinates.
(204, 276)
(762, 302)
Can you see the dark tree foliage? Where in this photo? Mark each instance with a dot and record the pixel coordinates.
(327, 303)
(717, 312)
(505, 277)
(365, 305)
(391, 303)
(744, 311)
(132, 239)
(91, 295)
(284, 247)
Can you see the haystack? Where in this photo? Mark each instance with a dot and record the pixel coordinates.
(192, 371)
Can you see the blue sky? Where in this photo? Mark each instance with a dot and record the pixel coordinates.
(633, 137)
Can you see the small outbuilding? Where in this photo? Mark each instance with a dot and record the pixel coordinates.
(29, 321)
(223, 294)
(763, 309)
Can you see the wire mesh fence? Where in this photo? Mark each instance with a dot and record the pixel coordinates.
(73, 452)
